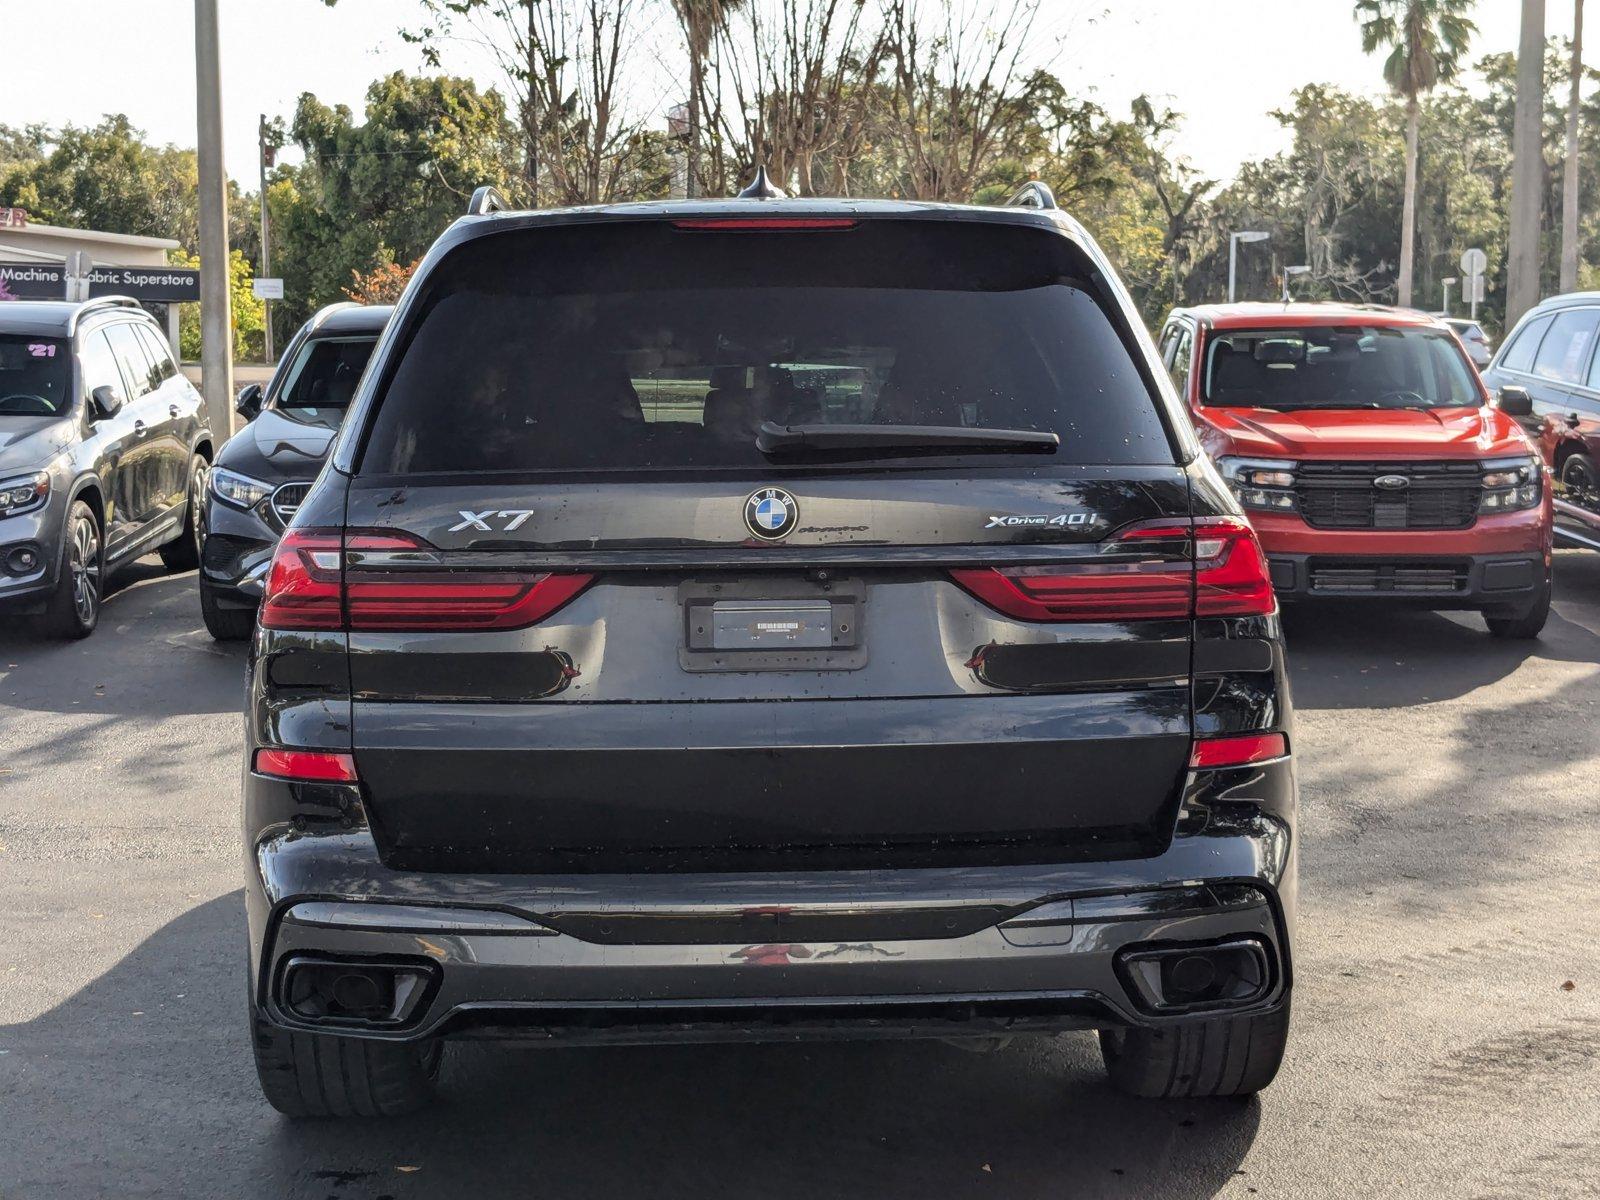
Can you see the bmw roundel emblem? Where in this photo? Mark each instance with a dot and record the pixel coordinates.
(771, 513)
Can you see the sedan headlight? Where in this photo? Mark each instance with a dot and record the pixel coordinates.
(1510, 484)
(1266, 484)
(238, 490)
(24, 493)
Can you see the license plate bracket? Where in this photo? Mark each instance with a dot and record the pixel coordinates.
(788, 623)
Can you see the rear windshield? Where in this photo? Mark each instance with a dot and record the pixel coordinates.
(648, 347)
(1337, 366)
(35, 376)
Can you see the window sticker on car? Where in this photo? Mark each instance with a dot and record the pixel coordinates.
(41, 349)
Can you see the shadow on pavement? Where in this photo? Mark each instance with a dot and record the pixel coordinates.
(1360, 655)
(127, 667)
(144, 1077)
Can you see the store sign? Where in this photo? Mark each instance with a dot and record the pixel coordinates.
(13, 218)
(48, 281)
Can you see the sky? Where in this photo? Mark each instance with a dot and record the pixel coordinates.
(1225, 64)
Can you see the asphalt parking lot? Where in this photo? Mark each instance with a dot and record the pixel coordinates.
(1451, 869)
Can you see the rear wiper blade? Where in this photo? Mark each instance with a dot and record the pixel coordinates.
(925, 439)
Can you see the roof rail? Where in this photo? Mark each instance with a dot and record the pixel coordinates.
(90, 307)
(486, 199)
(1033, 194)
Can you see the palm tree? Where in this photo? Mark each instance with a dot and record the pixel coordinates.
(1569, 188)
(1527, 167)
(1426, 40)
(700, 20)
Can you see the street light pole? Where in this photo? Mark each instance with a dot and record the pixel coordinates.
(1245, 235)
(216, 321)
(266, 245)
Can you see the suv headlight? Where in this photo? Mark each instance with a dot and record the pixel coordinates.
(238, 490)
(1510, 484)
(1266, 484)
(24, 493)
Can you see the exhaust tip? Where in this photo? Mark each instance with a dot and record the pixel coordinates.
(354, 994)
(1189, 978)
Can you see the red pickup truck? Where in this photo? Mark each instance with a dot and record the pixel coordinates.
(1369, 456)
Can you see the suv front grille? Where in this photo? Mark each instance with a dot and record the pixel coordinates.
(1348, 576)
(1343, 495)
(287, 499)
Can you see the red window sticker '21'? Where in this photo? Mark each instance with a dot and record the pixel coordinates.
(42, 350)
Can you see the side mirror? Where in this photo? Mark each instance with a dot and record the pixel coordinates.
(107, 403)
(1515, 402)
(249, 402)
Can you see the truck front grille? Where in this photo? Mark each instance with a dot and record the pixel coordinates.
(1345, 495)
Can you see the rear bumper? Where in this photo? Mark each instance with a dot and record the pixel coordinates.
(608, 958)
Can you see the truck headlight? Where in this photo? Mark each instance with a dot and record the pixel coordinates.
(1510, 484)
(238, 490)
(1265, 484)
(24, 493)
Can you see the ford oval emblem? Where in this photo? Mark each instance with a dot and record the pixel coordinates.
(1391, 483)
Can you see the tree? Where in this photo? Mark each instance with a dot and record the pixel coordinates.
(382, 285)
(248, 311)
(380, 192)
(104, 176)
(1527, 166)
(1426, 40)
(954, 104)
(700, 20)
(1569, 190)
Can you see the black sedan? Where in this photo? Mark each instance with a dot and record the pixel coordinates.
(262, 473)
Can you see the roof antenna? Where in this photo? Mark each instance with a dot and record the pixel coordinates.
(762, 188)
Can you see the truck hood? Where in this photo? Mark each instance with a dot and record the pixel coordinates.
(1368, 433)
(29, 443)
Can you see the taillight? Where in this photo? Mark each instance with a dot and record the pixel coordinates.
(306, 766)
(1157, 570)
(302, 588)
(369, 581)
(1231, 577)
(1238, 750)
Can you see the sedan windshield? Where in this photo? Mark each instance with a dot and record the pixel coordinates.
(35, 376)
(325, 372)
(1337, 366)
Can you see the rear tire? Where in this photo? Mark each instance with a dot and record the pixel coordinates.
(225, 624)
(183, 552)
(325, 1075)
(1525, 624)
(1224, 1056)
(73, 609)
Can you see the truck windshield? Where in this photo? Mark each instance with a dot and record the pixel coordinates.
(35, 376)
(1337, 366)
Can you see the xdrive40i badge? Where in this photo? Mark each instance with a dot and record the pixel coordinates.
(771, 513)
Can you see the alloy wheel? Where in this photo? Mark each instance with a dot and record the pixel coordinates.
(84, 563)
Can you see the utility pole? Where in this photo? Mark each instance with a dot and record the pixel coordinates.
(1527, 167)
(1569, 186)
(268, 152)
(216, 319)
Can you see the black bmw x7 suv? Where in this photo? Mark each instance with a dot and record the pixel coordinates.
(766, 618)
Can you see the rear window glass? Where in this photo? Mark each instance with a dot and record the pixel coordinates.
(1337, 366)
(35, 375)
(646, 347)
(1564, 353)
(1519, 354)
